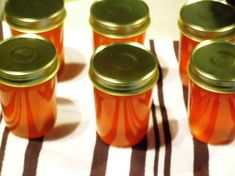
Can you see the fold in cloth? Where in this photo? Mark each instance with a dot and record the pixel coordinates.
(72, 148)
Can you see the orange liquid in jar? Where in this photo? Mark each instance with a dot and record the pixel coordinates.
(99, 39)
(29, 111)
(122, 120)
(186, 47)
(211, 115)
(56, 36)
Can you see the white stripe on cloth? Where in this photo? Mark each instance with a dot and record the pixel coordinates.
(222, 159)
(173, 95)
(118, 161)
(13, 163)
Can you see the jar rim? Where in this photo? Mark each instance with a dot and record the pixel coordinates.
(211, 66)
(129, 19)
(27, 62)
(129, 69)
(204, 19)
(29, 21)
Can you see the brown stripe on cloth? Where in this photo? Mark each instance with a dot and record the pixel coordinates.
(156, 138)
(201, 159)
(201, 153)
(1, 33)
(138, 157)
(165, 122)
(3, 146)
(31, 156)
(100, 158)
(176, 48)
(1, 117)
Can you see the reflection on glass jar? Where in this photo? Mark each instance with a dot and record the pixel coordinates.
(123, 75)
(27, 85)
(199, 21)
(212, 92)
(45, 18)
(121, 21)
(122, 121)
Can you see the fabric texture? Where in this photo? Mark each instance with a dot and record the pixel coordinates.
(73, 148)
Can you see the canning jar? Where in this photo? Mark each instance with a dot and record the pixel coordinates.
(44, 17)
(119, 21)
(212, 92)
(123, 75)
(199, 21)
(28, 68)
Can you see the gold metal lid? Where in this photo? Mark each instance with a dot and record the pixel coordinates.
(27, 60)
(34, 15)
(207, 19)
(212, 66)
(119, 18)
(123, 69)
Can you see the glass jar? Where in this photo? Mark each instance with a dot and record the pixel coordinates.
(123, 75)
(212, 92)
(28, 68)
(119, 21)
(42, 17)
(199, 21)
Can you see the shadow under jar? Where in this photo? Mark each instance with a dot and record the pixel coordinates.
(42, 17)
(119, 21)
(212, 92)
(123, 75)
(28, 68)
(199, 21)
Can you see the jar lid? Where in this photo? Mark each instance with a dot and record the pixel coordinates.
(123, 69)
(27, 60)
(212, 66)
(31, 15)
(118, 18)
(207, 19)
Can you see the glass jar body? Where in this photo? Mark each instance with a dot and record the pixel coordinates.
(122, 121)
(186, 46)
(101, 39)
(211, 115)
(29, 112)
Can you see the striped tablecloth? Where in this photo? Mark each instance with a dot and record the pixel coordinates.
(72, 148)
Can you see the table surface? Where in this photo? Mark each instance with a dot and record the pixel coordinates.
(73, 148)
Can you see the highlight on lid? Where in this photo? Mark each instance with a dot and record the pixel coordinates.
(206, 19)
(118, 21)
(123, 68)
(33, 15)
(24, 62)
(28, 69)
(212, 92)
(202, 20)
(123, 75)
(212, 66)
(44, 17)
